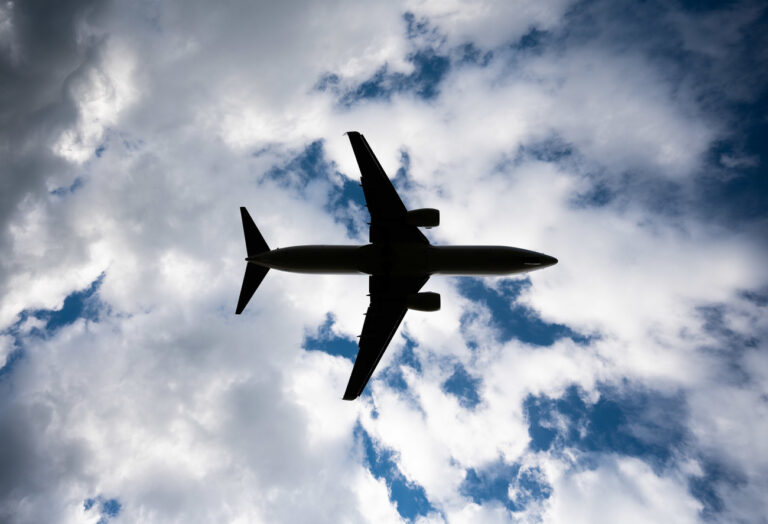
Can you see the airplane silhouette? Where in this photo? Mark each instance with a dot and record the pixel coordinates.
(399, 260)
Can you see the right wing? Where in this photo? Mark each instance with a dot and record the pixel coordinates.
(388, 213)
(386, 311)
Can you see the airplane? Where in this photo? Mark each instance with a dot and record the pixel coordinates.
(399, 260)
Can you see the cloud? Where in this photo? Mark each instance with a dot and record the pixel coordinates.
(133, 132)
(624, 489)
(45, 53)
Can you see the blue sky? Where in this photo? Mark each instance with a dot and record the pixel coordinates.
(629, 382)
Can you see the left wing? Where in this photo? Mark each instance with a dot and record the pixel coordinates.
(388, 213)
(386, 311)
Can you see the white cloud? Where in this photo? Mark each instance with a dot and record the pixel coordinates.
(185, 412)
(620, 489)
(461, 22)
(101, 95)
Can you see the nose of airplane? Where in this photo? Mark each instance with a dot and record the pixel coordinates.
(535, 260)
(547, 260)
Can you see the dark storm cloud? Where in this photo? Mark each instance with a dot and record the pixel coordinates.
(32, 459)
(44, 50)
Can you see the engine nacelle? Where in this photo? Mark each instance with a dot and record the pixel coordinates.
(427, 301)
(427, 217)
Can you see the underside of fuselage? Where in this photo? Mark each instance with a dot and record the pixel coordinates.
(398, 262)
(404, 259)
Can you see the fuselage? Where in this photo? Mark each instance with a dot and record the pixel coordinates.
(399, 260)
(403, 259)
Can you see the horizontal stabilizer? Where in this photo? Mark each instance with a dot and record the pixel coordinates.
(253, 276)
(254, 242)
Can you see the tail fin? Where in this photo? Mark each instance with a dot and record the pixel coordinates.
(254, 244)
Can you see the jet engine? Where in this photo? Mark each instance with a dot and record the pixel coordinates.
(427, 217)
(427, 301)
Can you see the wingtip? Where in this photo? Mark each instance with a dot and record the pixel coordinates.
(349, 394)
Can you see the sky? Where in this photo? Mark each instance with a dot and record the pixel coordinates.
(628, 383)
